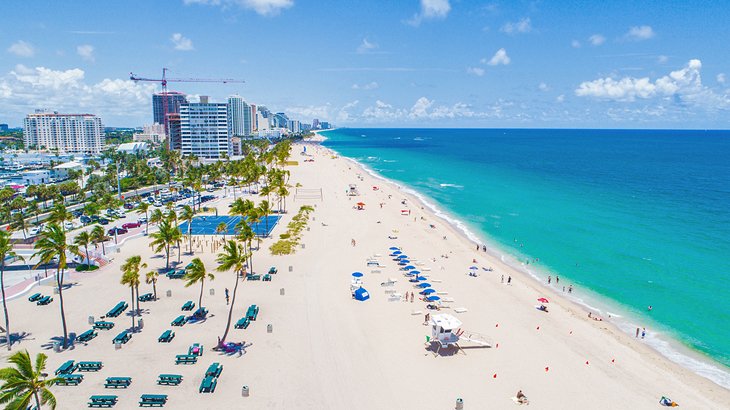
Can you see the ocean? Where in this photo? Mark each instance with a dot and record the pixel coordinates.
(630, 218)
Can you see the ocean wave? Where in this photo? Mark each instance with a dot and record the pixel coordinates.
(451, 186)
(390, 160)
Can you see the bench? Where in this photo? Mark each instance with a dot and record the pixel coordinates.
(214, 370)
(44, 300)
(179, 321)
(166, 336)
(102, 401)
(169, 379)
(196, 349)
(242, 323)
(267, 278)
(87, 335)
(103, 325)
(152, 400)
(117, 382)
(89, 366)
(208, 385)
(252, 312)
(66, 368)
(146, 297)
(117, 310)
(186, 359)
(188, 306)
(122, 337)
(69, 379)
(35, 297)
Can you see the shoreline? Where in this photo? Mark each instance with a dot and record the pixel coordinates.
(669, 348)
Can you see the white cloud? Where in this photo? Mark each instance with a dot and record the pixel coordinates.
(86, 51)
(431, 9)
(420, 108)
(309, 111)
(262, 7)
(639, 33)
(22, 49)
(343, 115)
(682, 86)
(560, 98)
(115, 100)
(721, 78)
(181, 43)
(543, 87)
(522, 26)
(500, 57)
(662, 59)
(597, 39)
(477, 71)
(369, 86)
(575, 44)
(366, 46)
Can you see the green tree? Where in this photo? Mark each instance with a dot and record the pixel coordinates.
(157, 216)
(26, 383)
(151, 278)
(130, 277)
(166, 236)
(52, 245)
(60, 215)
(233, 257)
(222, 228)
(98, 236)
(84, 239)
(264, 209)
(143, 208)
(6, 251)
(187, 215)
(18, 222)
(194, 273)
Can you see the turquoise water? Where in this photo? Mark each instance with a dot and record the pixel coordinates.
(630, 218)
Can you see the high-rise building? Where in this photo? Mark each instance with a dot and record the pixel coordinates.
(174, 101)
(3, 127)
(77, 133)
(254, 118)
(294, 126)
(204, 129)
(175, 131)
(315, 124)
(280, 120)
(153, 133)
(324, 125)
(239, 117)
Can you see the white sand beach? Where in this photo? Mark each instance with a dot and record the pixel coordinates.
(328, 351)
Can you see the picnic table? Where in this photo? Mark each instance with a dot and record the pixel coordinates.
(102, 401)
(272, 270)
(179, 321)
(188, 306)
(152, 400)
(253, 276)
(170, 379)
(34, 297)
(117, 382)
(175, 274)
(67, 368)
(44, 300)
(86, 336)
(117, 309)
(122, 337)
(103, 325)
(69, 379)
(252, 312)
(208, 384)
(200, 313)
(166, 336)
(214, 370)
(89, 366)
(146, 297)
(186, 359)
(267, 278)
(242, 323)
(196, 349)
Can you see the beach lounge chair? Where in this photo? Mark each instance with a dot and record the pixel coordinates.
(267, 278)
(34, 297)
(179, 321)
(186, 359)
(87, 335)
(89, 366)
(70, 379)
(208, 385)
(103, 325)
(146, 297)
(102, 401)
(196, 349)
(214, 370)
(117, 309)
(272, 270)
(152, 400)
(201, 313)
(117, 382)
(188, 306)
(44, 301)
(166, 336)
(242, 323)
(67, 368)
(252, 312)
(169, 379)
(122, 337)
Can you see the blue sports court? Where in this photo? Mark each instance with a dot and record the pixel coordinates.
(206, 225)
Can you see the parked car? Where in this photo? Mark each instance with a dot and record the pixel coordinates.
(103, 221)
(85, 219)
(130, 225)
(68, 225)
(76, 213)
(36, 230)
(118, 231)
(142, 220)
(157, 204)
(128, 206)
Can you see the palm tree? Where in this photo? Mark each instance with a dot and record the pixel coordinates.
(222, 228)
(187, 215)
(264, 209)
(18, 222)
(25, 383)
(234, 257)
(142, 209)
(33, 210)
(167, 235)
(157, 216)
(151, 277)
(60, 215)
(52, 245)
(98, 236)
(194, 273)
(6, 250)
(130, 277)
(84, 239)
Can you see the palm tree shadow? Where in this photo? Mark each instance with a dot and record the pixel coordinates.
(58, 339)
(16, 338)
(199, 320)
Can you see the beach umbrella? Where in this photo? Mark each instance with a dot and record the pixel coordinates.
(413, 272)
(428, 291)
(361, 204)
(394, 248)
(543, 300)
(409, 267)
(424, 285)
(357, 274)
(432, 298)
(473, 267)
(403, 261)
(402, 256)
(420, 278)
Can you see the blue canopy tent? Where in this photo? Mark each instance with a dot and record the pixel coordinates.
(404, 262)
(394, 248)
(395, 253)
(420, 278)
(361, 294)
(413, 272)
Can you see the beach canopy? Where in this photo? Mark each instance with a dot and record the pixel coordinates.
(357, 274)
(413, 272)
(361, 294)
(543, 300)
(420, 278)
(432, 298)
(404, 262)
(409, 267)
(402, 256)
(424, 285)
(394, 248)
(429, 291)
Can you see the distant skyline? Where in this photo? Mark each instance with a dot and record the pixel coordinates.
(409, 63)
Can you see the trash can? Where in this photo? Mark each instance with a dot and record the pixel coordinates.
(169, 293)
(302, 245)
(307, 229)
(91, 320)
(281, 291)
(459, 404)
(291, 268)
(212, 292)
(140, 323)
(55, 291)
(269, 328)
(244, 391)
(57, 347)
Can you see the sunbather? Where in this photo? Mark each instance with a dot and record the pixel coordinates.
(521, 398)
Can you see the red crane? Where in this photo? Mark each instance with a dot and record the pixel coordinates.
(164, 80)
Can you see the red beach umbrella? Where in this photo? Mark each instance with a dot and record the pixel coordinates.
(543, 300)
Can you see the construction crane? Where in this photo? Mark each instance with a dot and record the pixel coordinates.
(164, 80)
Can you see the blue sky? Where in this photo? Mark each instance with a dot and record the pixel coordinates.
(406, 63)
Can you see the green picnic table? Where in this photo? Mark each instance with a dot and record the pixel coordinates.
(146, 297)
(66, 368)
(214, 370)
(252, 312)
(170, 379)
(103, 325)
(89, 366)
(179, 321)
(208, 384)
(102, 401)
(117, 309)
(186, 359)
(44, 300)
(152, 400)
(188, 306)
(117, 382)
(86, 336)
(122, 337)
(69, 379)
(242, 323)
(34, 297)
(166, 336)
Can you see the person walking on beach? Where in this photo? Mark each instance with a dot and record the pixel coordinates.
(502, 279)
(227, 298)
(411, 297)
(352, 242)
(637, 332)
(570, 288)
(426, 318)
(643, 332)
(557, 280)
(549, 279)
(509, 280)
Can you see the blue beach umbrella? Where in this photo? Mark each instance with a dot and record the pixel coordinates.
(394, 248)
(432, 298)
(409, 267)
(402, 256)
(420, 278)
(396, 252)
(424, 285)
(357, 274)
(428, 291)
(413, 272)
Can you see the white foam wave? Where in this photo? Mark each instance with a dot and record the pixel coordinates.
(389, 160)
(451, 186)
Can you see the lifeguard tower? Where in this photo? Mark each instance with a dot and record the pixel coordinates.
(446, 331)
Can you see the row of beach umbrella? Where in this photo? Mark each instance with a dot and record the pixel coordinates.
(416, 277)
